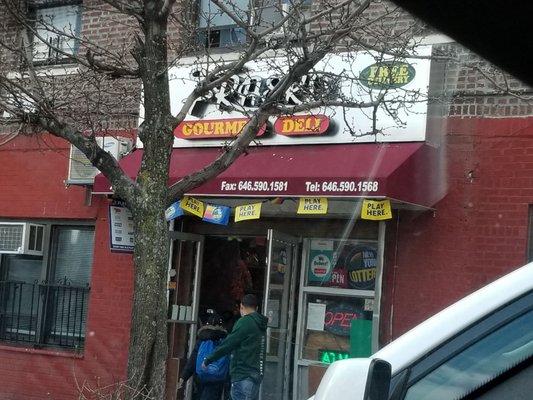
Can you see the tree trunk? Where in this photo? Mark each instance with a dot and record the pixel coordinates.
(148, 341)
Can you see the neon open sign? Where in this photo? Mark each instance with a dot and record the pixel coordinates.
(339, 317)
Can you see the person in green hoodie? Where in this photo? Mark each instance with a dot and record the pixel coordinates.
(246, 344)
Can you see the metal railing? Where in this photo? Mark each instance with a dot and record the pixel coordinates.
(43, 314)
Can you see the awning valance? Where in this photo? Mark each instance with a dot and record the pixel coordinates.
(407, 172)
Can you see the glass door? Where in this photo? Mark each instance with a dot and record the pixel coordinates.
(338, 300)
(185, 274)
(278, 307)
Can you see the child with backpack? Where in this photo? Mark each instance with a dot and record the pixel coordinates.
(210, 381)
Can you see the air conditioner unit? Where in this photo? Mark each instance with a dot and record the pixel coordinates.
(21, 238)
(82, 172)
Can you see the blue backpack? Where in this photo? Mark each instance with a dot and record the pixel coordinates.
(217, 370)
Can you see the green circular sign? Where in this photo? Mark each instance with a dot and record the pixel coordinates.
(387, 75)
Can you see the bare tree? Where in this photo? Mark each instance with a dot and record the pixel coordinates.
(81, 103)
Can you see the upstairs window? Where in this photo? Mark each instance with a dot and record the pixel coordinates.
(56, 31)
(218, 29)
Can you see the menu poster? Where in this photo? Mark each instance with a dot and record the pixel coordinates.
(121, 231)
(316, 316)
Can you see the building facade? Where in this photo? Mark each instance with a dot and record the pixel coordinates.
(333, 285)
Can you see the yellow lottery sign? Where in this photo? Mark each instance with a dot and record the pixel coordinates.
(312, 205)
(195, 207)
(248, 211)
(376, 210)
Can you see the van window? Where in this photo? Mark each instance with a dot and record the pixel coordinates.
(515, 387)
(478, 364)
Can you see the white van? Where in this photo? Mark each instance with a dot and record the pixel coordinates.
(479, 348)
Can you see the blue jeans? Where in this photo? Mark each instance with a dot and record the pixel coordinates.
(246, 389)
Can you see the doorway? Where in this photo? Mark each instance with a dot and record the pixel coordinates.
(213, 272)
(232, 267)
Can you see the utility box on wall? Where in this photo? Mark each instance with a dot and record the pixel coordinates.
(82, 172)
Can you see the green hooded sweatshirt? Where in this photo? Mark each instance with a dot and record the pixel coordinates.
(246, 344)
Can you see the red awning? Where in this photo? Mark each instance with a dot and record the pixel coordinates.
(402, 171)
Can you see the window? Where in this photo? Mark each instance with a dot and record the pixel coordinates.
(56, 31)
(338, 299)
(43, 299)
(218, 29)
(483, 358)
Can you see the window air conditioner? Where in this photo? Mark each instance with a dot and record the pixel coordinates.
(21, 238)
(81, 171)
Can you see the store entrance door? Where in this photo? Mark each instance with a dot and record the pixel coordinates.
(278, 306)
(183, 295)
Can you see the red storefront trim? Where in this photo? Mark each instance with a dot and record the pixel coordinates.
(401, 171)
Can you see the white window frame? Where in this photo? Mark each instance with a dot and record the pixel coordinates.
(300, 363)
(69, 46)
(47, 268)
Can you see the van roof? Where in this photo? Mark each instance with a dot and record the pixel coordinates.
(452, 320)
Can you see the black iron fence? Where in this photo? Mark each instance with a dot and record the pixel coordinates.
(43, 314)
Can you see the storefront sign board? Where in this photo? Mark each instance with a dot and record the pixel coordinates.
(376, 210)
(312, 205)
(301, 125)
(121, 229)
(248, 212)
(193, 206)
(212, 129)
(387, 75)
(359, 77)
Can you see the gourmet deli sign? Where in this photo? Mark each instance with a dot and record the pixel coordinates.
(359, 77)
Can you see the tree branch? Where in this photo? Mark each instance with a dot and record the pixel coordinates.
(126, 7)
(122, 184)
(44, 118)
(259, 117)
(235, 19)
(278, 109)
(222, 162)
(110, 70)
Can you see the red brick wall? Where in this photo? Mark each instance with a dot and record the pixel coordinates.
(32, 175)
(31, 181)
(479, 229)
